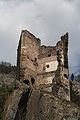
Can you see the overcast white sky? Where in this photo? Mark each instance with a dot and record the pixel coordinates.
(46, 19)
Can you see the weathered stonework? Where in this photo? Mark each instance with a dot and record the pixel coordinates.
(43, 92)
(61, 86)
(43, 65)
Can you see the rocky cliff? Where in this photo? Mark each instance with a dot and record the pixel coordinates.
(25, 103)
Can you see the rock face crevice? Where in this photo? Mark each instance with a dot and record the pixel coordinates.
(21, 111)
(12, 101)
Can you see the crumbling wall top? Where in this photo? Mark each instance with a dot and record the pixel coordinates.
(65, 37)
(26, 33)
(47, 51)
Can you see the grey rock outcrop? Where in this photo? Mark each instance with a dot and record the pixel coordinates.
(43, 106)
(12, 102)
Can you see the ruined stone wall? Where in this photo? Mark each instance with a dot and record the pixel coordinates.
(47, 58)
(35, 61)
(61, 86)
(44, 65)
(28, 55)
(47, 64)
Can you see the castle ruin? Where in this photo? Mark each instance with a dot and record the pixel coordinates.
(41, 65)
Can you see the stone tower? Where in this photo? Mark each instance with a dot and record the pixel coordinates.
(43, 65)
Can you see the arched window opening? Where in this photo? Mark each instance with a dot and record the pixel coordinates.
(26, 82)
(32, 81)
(49, 55)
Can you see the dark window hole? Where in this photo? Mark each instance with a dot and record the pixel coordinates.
(32, 81)
(26, 82)
(49, 55)
(47, 66)
(35, 59)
